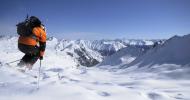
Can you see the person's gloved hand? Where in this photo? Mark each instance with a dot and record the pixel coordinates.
(41, 57)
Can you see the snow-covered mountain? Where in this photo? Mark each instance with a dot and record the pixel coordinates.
(81, 53)
(104, 47)
(125, 55)
(170, 58)
(140, 42)
(91, 52)
(175, 50)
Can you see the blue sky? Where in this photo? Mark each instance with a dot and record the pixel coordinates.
(97, 19)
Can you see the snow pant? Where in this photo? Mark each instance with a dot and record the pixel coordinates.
(31, 53)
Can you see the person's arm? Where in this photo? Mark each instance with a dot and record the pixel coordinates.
(41, 34)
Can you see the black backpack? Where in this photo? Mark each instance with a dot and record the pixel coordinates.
(24, 28)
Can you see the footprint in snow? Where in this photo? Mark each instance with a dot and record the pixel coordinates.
(128, 84)
(3, 84)
(180, 98)
(45, 76)
(98, 83)
(104, 94)
(154, 96)
(56, 70)
(63, 82)
(83, 72)
(1, 64)
(60, 77)
(33, 82)
(130, 87)
(74, 80)
(67, 78)
(89, 89)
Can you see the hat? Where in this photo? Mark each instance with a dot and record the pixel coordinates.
(35, 21)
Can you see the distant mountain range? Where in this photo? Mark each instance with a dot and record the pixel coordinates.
(91, 52)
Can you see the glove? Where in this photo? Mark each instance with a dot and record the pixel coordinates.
(41, 57)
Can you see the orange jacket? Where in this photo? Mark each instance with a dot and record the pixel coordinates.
(39, 36)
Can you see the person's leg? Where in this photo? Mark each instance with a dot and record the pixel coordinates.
(32, 61)
(22, 62)
(25, 59)
(31, 55)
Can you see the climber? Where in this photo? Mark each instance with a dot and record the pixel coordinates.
(31, 42)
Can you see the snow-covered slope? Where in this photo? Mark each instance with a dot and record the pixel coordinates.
(139, 42)
(125, 55)
(52, 43)
(175, 50)
(106, 47)
(88, 84)
(9, 52)
(171, 58)
(61, 79)
(82, 54)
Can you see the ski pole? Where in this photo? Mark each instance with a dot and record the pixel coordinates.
(13, 61)
(39, 75)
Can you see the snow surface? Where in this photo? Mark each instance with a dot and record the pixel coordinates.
(61, 79)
